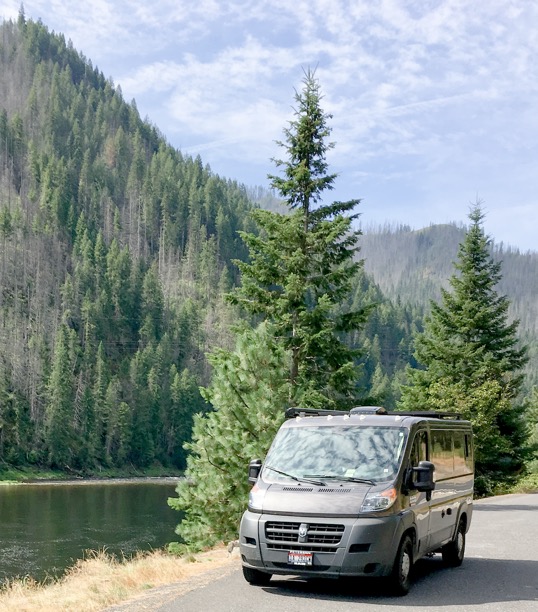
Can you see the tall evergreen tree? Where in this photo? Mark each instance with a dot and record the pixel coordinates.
(59, 431)
(302, 267)
(248, 389)
(302, 264)
(532, 423)
(473, 360)
(186, 401)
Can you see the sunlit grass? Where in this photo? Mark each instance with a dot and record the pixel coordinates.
(528, 484)
(9, 474)
(100, 581)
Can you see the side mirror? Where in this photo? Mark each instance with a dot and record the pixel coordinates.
(254, 468)
(423, 477)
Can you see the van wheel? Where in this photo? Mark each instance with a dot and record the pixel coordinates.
(400, 578)
(255, 577)
(454, 551)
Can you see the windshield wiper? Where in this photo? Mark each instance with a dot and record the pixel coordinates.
(297, 478)
(344, 478)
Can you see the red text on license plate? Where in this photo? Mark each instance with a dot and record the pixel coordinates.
(297, 557)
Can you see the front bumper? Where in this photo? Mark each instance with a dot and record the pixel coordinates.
(366, 546)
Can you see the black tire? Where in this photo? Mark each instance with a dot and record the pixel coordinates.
(454, 551)
(400, 578)
(255, 577)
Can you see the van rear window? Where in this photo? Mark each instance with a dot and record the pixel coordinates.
(451, 453)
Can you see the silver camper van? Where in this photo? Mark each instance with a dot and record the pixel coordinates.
(359, 493)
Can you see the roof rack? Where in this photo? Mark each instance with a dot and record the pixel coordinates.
(291, 413)
(429, 414)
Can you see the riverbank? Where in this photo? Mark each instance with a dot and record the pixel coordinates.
(11, 475)
(100, 581)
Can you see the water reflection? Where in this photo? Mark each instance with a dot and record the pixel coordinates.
(44, 528)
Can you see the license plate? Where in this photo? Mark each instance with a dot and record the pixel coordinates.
(297, 557)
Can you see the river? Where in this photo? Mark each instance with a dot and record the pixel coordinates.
(46, 527)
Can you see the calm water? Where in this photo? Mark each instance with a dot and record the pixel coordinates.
(44, 528)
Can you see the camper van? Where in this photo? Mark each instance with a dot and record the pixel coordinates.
(360, 493)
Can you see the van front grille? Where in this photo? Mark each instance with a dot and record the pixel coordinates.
(320, 534)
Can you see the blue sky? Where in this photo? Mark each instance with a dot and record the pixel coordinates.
(434, 102)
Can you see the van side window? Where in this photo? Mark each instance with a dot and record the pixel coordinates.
(442, 454)
(468, 451)
(460, 466)
(419, 451)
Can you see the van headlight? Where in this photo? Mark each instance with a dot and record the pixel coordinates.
(255, 498)
(379, 500)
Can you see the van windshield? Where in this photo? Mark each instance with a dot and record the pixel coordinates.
(336, 453)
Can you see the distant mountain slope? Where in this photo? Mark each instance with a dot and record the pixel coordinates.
(414, 264)
(411, 264)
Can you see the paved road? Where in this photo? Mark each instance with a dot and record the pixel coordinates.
(499, 574)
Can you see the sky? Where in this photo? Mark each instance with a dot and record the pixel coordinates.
(434, 103)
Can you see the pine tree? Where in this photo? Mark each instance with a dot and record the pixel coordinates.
(152, 307)
(142, 447)
(248, 389)
(186, 401)
(59, 431)
(532, 424)
(15, 427)
(302, 264)
(473, 360)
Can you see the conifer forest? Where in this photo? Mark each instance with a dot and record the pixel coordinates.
(118, 256)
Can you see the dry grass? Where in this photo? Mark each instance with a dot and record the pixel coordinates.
(100, 581)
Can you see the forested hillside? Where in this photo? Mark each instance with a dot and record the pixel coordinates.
(115, 249)
(115, 254)
(411, 266)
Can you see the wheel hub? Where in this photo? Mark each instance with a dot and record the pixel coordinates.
(406, 565)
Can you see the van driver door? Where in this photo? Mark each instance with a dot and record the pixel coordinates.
(419, 502)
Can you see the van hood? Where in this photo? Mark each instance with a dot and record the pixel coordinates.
(333, 499)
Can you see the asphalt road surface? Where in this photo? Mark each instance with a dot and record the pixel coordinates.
(499, 574)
